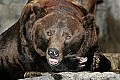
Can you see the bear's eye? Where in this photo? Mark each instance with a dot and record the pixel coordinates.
(50, 33)
(68, 37)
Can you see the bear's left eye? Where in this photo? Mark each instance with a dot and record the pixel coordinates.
(68, 37)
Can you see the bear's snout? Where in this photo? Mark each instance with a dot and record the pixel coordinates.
(53, 56)
(53, 53)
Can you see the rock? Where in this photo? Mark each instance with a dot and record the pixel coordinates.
(115, 60)
(10, 11)
(76, 76)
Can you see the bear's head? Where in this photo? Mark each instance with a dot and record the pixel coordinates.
(53, 29)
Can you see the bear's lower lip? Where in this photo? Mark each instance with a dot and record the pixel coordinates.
(53, 61)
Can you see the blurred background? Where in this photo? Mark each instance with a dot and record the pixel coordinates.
(107, 21)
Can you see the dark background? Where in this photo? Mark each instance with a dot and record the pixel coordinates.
(107, 21)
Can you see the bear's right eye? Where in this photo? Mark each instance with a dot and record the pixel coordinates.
(50, 33)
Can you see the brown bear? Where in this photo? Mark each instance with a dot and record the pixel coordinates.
(51, 36)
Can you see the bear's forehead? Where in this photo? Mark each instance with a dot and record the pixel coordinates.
(59, 20)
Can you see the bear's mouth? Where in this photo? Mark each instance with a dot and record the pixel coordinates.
(54, 57)
(53, 62)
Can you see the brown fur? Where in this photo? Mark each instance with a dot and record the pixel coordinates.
(48, 24)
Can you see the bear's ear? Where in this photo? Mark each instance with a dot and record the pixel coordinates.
(32, 12)
(88, 20)
(91, 6)
(29, 1)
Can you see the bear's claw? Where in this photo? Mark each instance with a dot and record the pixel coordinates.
(95, 64)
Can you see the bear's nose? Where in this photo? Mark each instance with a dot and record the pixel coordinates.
(53, 53)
